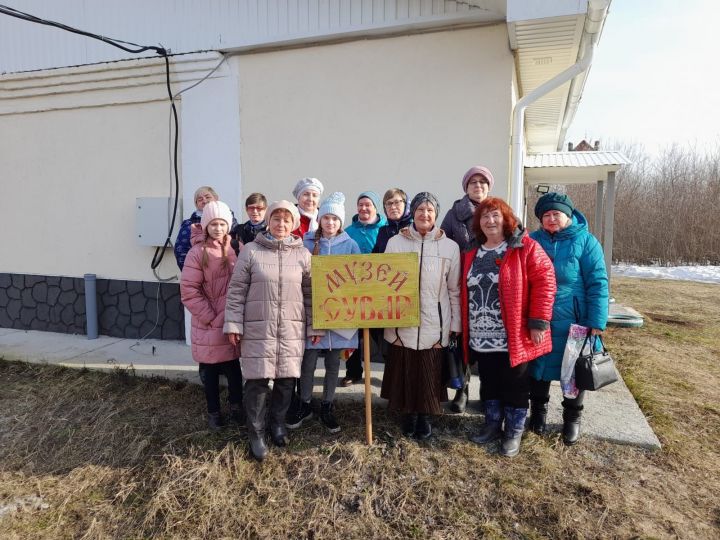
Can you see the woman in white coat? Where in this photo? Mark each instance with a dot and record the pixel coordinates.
(413, 373)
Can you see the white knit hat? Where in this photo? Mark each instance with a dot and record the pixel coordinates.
(216, 210)
(285, 205)
(335, 205)
(305, 184)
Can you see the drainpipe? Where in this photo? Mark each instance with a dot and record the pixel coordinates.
(91, 306)
(597, 9)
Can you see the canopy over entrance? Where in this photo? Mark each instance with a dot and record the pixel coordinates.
(594, 167)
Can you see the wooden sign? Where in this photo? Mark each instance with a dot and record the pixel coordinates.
(365, 291)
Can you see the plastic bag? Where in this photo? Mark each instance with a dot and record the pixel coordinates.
(573, 348)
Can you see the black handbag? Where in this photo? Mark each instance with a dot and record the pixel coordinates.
(453, 369)
(594, 369)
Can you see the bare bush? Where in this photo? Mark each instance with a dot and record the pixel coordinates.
(666, 207)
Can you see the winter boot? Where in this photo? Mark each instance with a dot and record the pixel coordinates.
(571, 423)
(295, 418)
(215, 421)
(423, 429)
(328, 418)
(255, 399)
(282, 394)
(459, 403)
(514, 427)
(237, 413)
(408, 424)
(490, 430)
(538, 416)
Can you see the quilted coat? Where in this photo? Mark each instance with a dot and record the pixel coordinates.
(268, 303)
(203, 292)
(340, 244)
(527, 290)
(439, 282)
(582, 289)
(365, 234)
(457, 223)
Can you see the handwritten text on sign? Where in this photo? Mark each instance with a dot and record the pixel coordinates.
(365, 291)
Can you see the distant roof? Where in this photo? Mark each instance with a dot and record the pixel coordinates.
(572, 167)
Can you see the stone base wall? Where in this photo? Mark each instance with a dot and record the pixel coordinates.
(126, 309)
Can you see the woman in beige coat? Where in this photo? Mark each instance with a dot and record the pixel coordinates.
(267, 312)
(413, 373)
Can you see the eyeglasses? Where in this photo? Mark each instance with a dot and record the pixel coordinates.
(390, 204)
(256, 208)
(477, 182)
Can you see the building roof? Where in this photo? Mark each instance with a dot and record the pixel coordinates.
(572, 167)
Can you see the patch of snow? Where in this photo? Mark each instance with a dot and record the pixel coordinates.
(704, 274)
(20, 504)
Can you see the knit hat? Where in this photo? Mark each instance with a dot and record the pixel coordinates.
(285, 205)
(216, 210)
(482, 171)
(553, 201)
(424, 196)
(374, 197)
(335, 205)
(305, 184)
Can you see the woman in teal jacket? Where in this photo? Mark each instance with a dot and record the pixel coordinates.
(582, 298)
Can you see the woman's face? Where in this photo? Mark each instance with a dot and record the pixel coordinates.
(217, 229)
(309, 200)
(394, 207)
(477, 188)
(280, 224)
(256, 212)
(491, 224)
(367, 213)
(424, 217)
(203, 198)
(554, 221)
(330, 224)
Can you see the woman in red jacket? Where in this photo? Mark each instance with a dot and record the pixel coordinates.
(507, 294)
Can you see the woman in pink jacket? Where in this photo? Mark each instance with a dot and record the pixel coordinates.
(203, 289)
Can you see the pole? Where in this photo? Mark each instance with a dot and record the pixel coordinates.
(368, 391)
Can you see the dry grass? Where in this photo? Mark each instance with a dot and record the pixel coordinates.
(116, 456)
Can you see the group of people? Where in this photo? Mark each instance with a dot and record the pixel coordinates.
(507, 296)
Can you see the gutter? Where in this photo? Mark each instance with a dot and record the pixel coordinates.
(597, 10)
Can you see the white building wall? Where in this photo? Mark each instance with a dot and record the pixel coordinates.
(413, 112)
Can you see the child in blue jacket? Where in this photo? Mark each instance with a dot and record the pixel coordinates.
(328, 239)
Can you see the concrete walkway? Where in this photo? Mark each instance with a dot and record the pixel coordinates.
(611, 414)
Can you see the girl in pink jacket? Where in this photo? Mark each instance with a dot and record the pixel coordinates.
(203, 289)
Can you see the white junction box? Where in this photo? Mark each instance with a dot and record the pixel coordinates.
(152, 220)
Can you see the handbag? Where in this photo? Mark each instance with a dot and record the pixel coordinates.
(595, 368)
(453, 369)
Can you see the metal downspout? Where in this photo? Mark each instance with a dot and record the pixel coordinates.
(597, 9)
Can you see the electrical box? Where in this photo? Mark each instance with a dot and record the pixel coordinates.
(152, 220)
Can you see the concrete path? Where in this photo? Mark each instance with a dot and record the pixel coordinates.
(611, 414)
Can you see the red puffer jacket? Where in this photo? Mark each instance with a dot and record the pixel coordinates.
(527, 292)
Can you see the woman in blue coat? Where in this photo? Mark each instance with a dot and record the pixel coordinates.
(328, 239)
(582, 298)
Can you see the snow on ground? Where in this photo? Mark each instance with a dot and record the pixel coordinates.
(705, 274)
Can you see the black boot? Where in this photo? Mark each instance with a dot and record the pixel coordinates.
(491, 429)
(571, 423)
(255, 398)
(538, 416)
(459, 402)
(215, 421)
(408, 424)
(282, 395)
(237, 413)
(423, 429)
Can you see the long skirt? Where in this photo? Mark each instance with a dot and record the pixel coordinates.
(412, 382)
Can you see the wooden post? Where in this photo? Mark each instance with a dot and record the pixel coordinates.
(368, 391)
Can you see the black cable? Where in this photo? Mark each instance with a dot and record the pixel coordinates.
(12, 12)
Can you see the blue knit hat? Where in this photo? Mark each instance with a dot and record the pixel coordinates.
(335, 205)
(554, 201)
(374, 197)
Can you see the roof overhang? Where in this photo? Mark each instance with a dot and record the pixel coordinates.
(548, 37)
(572, 167)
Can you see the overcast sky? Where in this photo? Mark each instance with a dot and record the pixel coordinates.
(654, 79)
